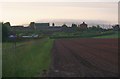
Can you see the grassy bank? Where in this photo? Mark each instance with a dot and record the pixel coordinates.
(86, 34)
(28, 59)
(114, 35)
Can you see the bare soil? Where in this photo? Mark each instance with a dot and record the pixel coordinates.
(84, 58)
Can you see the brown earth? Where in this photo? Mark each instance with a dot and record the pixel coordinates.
(84, 58)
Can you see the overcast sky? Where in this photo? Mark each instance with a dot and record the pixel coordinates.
(59, 0)
(24, 12)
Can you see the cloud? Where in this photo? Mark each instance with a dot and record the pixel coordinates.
(59, 0)
(24, 12)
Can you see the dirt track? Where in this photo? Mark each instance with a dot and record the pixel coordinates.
(84, 58)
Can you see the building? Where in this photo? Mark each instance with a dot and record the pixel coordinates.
(83, 26)
(20, 28)
(17, 28)
(39, 26)
(55, 28)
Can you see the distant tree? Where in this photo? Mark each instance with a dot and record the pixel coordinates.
(32, 25)
(0, 32)
(7, 24)
(74, 26)
(116, 27)
(53, 24)
(98, 26)
(95, 28)
(5, 32)
(64, 26)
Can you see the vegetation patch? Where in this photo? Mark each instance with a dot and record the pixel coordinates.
(26, 60)
(86, 34)
(112, 35)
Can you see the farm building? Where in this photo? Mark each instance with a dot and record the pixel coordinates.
(83, 26)
(20, 28)
(39, 26)
(46, 27)
(17, 28)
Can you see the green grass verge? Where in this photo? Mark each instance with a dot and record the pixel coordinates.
(115, 35)
(27, 60)
(106, 34)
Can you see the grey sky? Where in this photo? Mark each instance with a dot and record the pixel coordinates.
(23, 13)
(59, 0)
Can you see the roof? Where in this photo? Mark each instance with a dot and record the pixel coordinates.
(41, 24)
(17, 27)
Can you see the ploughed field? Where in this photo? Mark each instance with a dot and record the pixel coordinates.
(84, 58)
